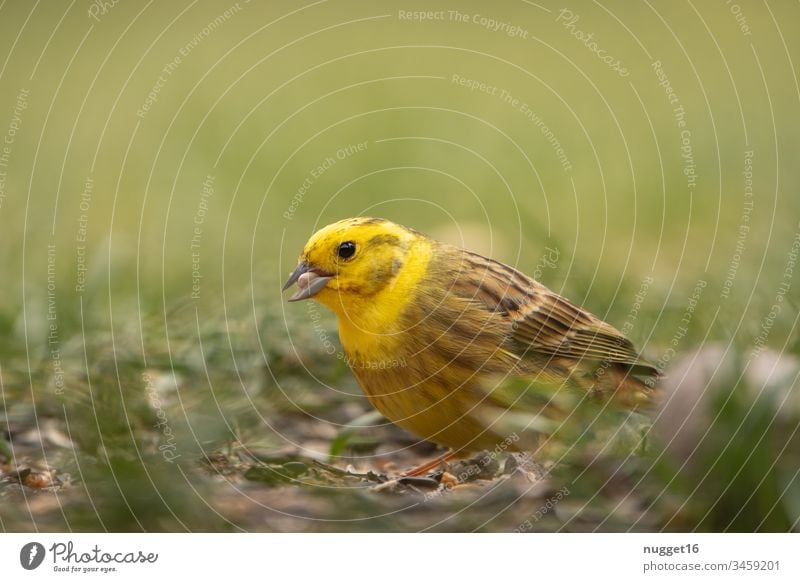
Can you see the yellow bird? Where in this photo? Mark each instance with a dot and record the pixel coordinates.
(450, 345)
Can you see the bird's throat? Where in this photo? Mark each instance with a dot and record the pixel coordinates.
(368, 325)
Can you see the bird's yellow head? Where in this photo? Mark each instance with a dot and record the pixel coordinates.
(351, 261)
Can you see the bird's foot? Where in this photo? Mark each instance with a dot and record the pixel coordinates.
(432, 465)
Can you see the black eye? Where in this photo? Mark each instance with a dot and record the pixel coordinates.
(346, 249)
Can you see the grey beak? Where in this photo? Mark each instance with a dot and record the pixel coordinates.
(307, 286)
(298, 270)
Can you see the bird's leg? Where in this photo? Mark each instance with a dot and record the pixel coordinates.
(425, 468)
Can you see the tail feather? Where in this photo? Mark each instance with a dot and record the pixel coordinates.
(634, 387)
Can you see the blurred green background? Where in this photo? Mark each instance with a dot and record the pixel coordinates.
(165, 162)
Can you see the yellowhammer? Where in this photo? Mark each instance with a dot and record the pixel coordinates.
(450, 345)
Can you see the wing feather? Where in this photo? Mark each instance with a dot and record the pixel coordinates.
(541, 321)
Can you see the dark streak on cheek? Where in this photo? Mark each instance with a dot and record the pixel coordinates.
(380, 276)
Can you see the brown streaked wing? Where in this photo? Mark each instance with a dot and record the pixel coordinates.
(550, 324)
(542, 321)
